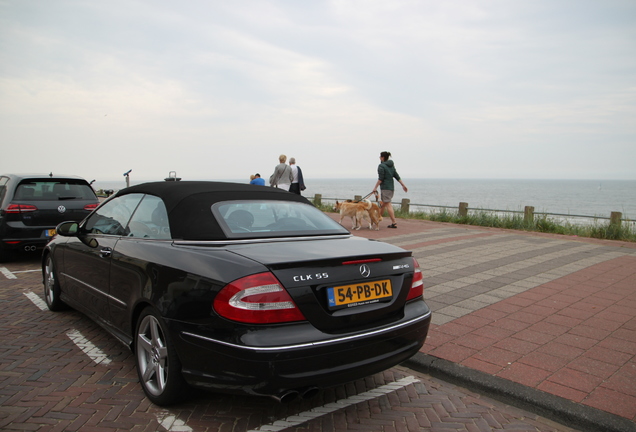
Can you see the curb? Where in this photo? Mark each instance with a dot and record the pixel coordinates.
(553, 407)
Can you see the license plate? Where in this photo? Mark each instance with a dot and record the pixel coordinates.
(359, 294)
(49, 233)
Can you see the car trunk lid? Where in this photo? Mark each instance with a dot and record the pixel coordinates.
(337, 287)
(47, 202)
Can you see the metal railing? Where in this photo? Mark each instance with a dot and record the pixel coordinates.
(463, 209)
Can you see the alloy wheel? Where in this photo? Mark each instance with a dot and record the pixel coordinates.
(152, 355)
(49, 281)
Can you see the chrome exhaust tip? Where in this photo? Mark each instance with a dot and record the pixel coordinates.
(310, 392)
(287, 397)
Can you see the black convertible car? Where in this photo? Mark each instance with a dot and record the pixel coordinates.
(237, 288)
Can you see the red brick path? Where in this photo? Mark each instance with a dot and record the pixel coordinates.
(574, 336)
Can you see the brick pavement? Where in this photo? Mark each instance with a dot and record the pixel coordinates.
(546, 313)
(50, 381)
(553, 313)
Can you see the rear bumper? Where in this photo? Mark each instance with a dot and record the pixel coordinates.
(23, 244)
(274, 370)
(26, 238)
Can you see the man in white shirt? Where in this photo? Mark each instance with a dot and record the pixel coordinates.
(297, 178)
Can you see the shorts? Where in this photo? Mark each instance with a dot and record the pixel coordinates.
(386, 195)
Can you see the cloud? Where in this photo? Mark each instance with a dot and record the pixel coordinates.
(453, 89)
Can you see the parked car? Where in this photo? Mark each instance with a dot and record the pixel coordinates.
(32, 205)
(237, 288)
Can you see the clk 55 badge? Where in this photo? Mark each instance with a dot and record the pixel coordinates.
(304, 278)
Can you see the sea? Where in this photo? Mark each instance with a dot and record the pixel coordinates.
(593, 198)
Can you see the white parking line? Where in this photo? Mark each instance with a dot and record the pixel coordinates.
(78, 339)
(171, 422)
(36, 300)
(313, 413)
(87, 346)
(5, 271)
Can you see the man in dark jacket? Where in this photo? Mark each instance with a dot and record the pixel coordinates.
(298, 183)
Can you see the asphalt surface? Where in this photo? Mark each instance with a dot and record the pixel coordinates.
(530, 332)
(546, 322)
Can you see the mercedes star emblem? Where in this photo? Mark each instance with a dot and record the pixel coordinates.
(365, 271)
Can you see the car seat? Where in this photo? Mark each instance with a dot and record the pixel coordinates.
(241, 218)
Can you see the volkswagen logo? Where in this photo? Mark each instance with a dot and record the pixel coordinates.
(61, 209)
(365, 271)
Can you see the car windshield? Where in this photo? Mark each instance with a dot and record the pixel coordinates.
(267, 218)
(47, 190)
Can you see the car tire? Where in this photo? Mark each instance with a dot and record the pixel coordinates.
(158, 365)
(52, 288)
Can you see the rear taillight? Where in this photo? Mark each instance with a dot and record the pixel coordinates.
(20, 208)
(417, 287)
(90, 207)
(257, 299)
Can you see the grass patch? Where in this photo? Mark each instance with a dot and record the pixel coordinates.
(541, 223)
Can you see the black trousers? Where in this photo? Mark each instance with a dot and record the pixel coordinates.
(295, 188)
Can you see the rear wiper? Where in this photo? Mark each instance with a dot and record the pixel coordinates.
(66, 197)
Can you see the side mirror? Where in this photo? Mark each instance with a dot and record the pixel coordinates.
(68, 229)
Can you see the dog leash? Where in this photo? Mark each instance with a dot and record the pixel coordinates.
(369, 194)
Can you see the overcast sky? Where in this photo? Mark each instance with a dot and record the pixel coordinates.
(218, 89)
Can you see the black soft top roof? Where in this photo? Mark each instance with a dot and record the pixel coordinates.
(173, 192)
(188, 203)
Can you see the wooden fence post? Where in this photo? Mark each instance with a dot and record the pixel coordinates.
(528, 214)
(318, 199)
(405, 205)
(615, 218)
(463, 209)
